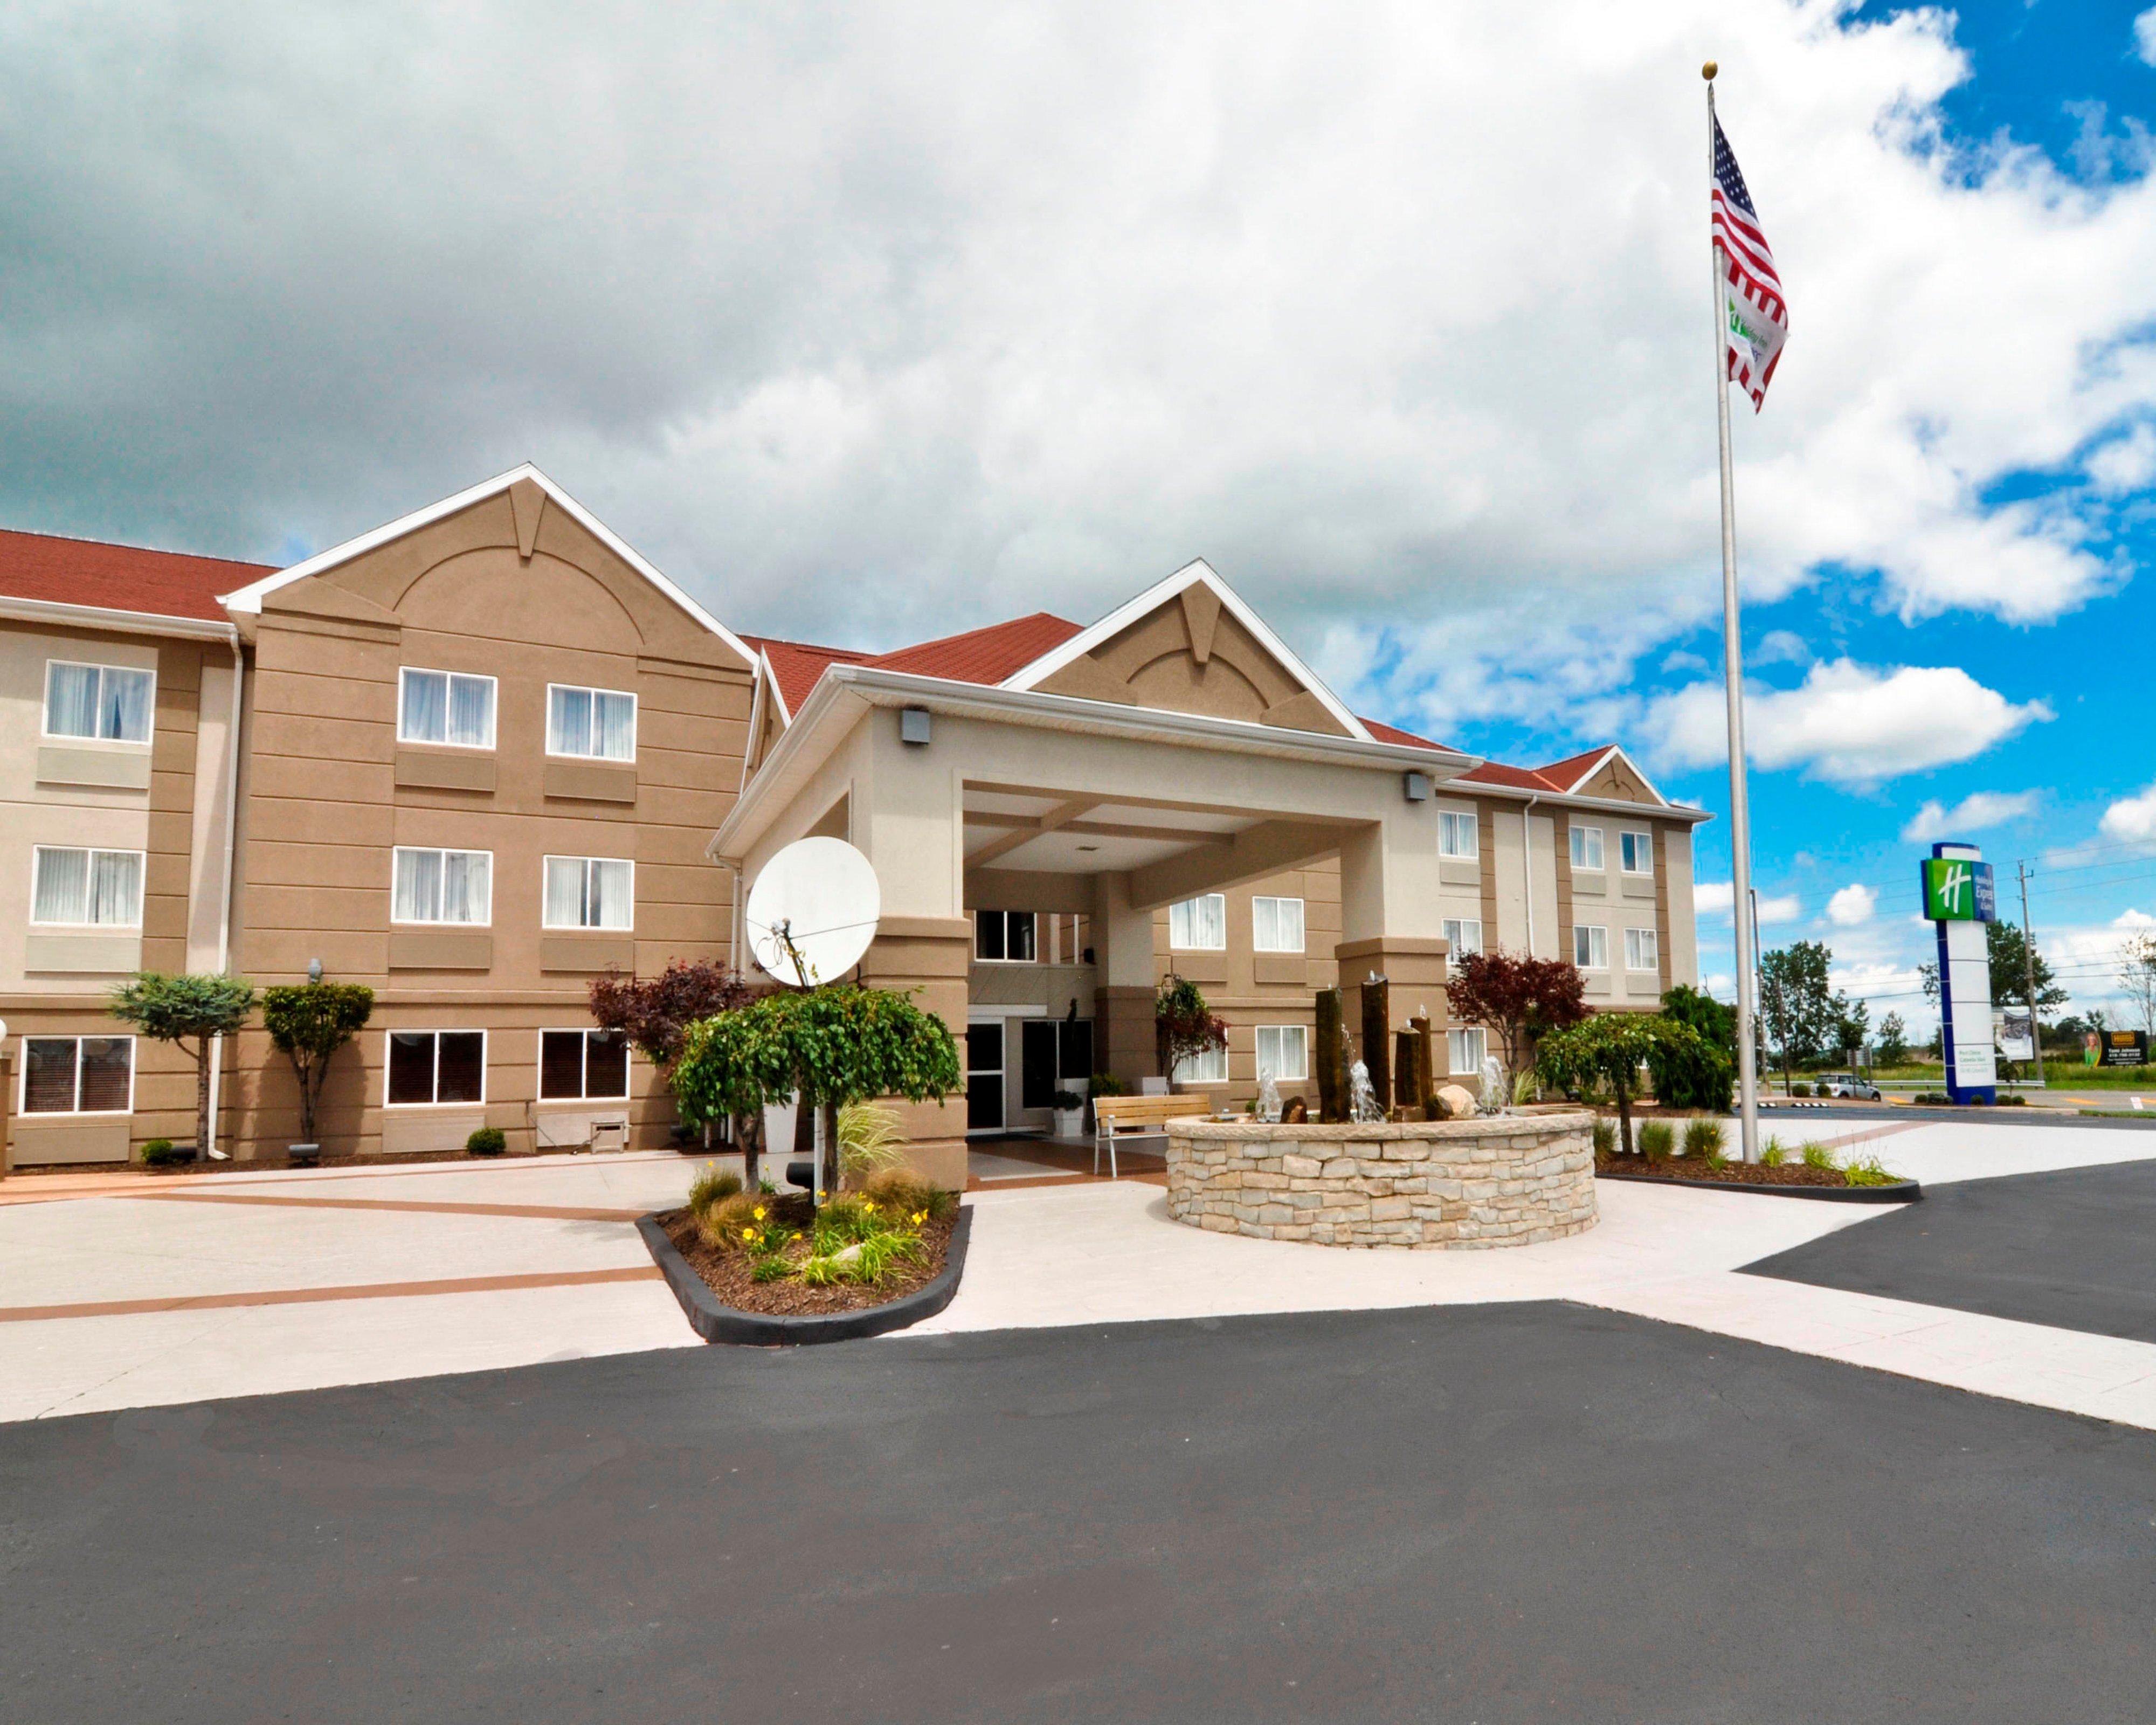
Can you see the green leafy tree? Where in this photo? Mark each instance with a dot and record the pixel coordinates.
(1893, 1043)
(1183, 1026)
(1796, 1006)
(1713, 1019)
(184, 1010)
(825, 1046)
(309, 1022)
(1852, 1022)
(655, 1013)
(1701, 1078)
(1609, 1049)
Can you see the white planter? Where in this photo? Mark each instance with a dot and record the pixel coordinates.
(1069, 1123)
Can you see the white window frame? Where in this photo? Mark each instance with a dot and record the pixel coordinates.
(1639, 843)
(1186, 907)
(1464, 1046)
(444, 851)
(540, 1099)
(77, 1113)
(1007, 916)
(1209, 1058)
(1451, 823)
(1457, 938)
(1580, 847)
(635, 714)
(1301, 924)
(492, 708)
(1300, 1034)
(1643, 951)
(1596, 935)
(45, 715)
(485, 1062)
(627, 927)
(93, 852)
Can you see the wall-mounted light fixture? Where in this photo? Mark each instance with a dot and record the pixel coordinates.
(314, 970)
(1416, 785)
(913, 724)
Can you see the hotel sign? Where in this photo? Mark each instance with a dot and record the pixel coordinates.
(1959, 891)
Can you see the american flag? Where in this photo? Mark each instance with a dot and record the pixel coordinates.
(1756, 319)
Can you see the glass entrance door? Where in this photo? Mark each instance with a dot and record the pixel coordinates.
(984, 1075)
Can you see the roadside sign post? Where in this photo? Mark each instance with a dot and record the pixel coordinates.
(1960, 897)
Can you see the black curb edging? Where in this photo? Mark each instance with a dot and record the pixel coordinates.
(1900, 1191)
(714, 1321)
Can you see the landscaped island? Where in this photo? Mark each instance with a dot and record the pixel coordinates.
(1499, 1180)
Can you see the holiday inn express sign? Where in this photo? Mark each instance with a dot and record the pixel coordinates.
(1960, 898)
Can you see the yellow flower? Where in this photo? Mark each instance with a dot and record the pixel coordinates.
(758, 1213)
(918, 1216)
(748, 1234)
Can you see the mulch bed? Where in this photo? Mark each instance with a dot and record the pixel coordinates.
(728, 1276)
(1734, 1173)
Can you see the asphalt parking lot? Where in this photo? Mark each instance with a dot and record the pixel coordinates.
(2075, 1249)
(1491, 1512)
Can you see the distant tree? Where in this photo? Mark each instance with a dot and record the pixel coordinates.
(1184, 1026)
(1852, 1022)
(654, 1014)
(1796, 1005)
(1519, 999)
(1609, 1048)
(184, 1009)
(308, 1022)
(2136, 976)
(1893, 1046)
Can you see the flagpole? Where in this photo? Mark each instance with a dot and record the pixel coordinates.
(1732, 661)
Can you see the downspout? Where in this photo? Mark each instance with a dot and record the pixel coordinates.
(1528, 868)
(231, 863)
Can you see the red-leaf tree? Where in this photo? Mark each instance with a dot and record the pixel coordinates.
(1519, 999)
(655, 1013)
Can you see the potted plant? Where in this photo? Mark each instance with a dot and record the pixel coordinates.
(1069, 1113)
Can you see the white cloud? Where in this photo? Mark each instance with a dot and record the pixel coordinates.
(1852, 723)
(1774, 910)
(1781, 646)
(2131, 818)
(1711, 900)
(2145, 36)
(2124, 463)
(1973, 813)
(1852, 906)
(813, 307)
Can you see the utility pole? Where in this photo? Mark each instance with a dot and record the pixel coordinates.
(2029, 966)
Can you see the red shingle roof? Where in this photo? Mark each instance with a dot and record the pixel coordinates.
(119, 578)
(983, 655)
(798, 665)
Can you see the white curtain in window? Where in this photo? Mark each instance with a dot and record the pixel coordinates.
(467, 886)
(1283, 1051)
(1276, 925)
(565, 892)
(607, 903)
(124, 709)
(1210, 1067)
(416, 888)
(614, 726)
(1466, 1050)
(471, 712)
(569, 721)
(116, 889)
(71, 701)
(1199, 924)
(61, 890)
(425, 717)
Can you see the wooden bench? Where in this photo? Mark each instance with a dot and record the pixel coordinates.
(1137, 1118)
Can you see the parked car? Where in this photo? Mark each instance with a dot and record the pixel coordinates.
(1848, 1084)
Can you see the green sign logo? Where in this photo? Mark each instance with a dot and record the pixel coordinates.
(1957, 891)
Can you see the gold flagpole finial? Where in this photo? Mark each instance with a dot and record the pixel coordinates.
(1708, 70)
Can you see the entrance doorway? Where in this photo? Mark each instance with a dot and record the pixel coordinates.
(1015, 1066)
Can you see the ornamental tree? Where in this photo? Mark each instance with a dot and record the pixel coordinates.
(308, 1022)
(825, 1046)
(654, 1014)
(1183, 1026)
(1609, 1049)
(1521, 998)
(184, 1009)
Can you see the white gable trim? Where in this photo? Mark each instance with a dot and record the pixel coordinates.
(248, 600)
(1121, 619)
(1603, 760)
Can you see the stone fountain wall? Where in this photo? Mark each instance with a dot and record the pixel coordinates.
(1502, 1180)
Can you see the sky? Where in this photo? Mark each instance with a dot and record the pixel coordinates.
(871, 324)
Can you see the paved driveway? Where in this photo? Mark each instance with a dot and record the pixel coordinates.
(1496, 1513)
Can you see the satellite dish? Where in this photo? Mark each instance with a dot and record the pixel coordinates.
(812, 911)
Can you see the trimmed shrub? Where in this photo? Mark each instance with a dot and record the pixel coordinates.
(1657, 1138)
(487, 1141)
(1692, 1074)
(158, 1152)
(1703, 1137)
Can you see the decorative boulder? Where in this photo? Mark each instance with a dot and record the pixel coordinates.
(1459, 1099)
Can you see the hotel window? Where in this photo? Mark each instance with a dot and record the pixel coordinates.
(441, 886)
(589, 892)
(1456, 836)
(1198, 925)
(1210, 1067)
(1587, 847)
(1464, 934)
(582, 1066)
(1283, 1052)
(1590, 948)
(109, 703)
(1004, 937)
(1642, 951)
(1635, 853)
(593, 724)
(1276, 925)
(445, 707)
(1464, 1048)
(86, 889)
(427, 1067)
(78, 1074)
